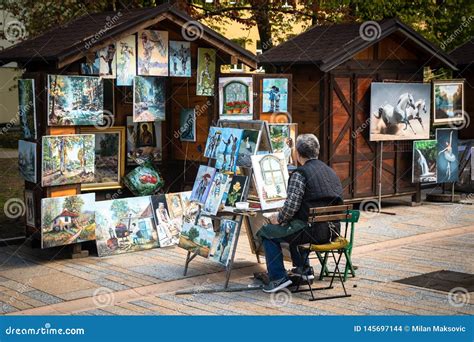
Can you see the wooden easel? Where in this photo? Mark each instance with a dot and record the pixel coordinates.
(263, 144)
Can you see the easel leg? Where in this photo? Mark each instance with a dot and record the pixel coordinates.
(189, 258)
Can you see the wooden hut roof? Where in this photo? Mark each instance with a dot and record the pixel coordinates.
(328, 46)
(67, 43)
(464, 54)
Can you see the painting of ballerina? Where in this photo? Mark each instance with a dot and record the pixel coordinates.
(448, 159)
(400, 111)
(424, 161)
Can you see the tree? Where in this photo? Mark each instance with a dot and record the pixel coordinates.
(120, 209)
(73, 204)
(193, 233)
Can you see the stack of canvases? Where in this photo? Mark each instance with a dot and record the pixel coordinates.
(402, 111)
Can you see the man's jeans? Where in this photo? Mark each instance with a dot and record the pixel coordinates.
(274, 258)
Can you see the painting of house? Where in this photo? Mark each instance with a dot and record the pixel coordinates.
(27, 108)
(68, 159)
(180, 59)
(27, 160)
(125, 225)
(66, 220)
(148, 99)
(236, 98)
(153, 53)
(75, 100)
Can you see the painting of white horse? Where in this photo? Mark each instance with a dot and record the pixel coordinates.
(400, 111)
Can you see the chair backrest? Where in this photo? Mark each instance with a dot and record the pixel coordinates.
(332, 213)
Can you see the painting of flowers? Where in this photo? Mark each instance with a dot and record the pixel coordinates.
(236, 190)
(236, 98)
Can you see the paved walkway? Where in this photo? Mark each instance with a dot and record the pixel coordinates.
(414, 241)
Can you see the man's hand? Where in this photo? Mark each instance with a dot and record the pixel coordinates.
(274, 219)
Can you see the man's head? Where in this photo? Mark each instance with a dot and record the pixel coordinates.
(307, 147)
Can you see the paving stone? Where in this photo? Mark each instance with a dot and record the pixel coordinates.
(43, 297)
(111, 284)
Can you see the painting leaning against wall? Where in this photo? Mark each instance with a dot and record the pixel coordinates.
(68, 159)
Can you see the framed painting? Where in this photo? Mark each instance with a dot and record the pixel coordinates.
(149, 97)
(153, 53)
(143, 180)
(203, 183)
(108, 61)
(75, 100)
(125, 225)
(180, 59)
(400, 111)
(27, 160)
(216, 193)
(187, 125)
(168, 227)
(196, 239)
(30, 206)
(271, 179)
(448, 105)
(68, 159)
(283, 139)
(447, 163)
(236, 98)
(146, 134)
(67, 220)
(126, 61)
(27, 108)
(140, 154)
(274, 95)
(424, 161)
(206, 72)
(109, 157)
(223, 242)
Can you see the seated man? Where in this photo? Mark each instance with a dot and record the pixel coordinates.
(313, 184)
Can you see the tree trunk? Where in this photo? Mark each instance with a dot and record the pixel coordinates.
(315, 7)
(263, 24)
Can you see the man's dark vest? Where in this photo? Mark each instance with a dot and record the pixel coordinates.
(323, 187)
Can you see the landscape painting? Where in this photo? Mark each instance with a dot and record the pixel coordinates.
(206, 72)
(75, 100)
(236, 98)
(30, 212)
(196, 239)
(148, 99)
(274, 97)
(109, 157)
(143, 180)
(125, 225)
(400, 111)
(271, 178)
(283, 139)
(27, 160)
(448, 102)
(153, 53)
(27, 108)
(447, 164)
(235, 190)
(168, 228)
(216, 193)
(126, 61)
(248, 147)
(203, 183)
(223, 144)
(223, 242)
(108, 61)
(424, 161)
(180, 59)
(67, 220)
(68, 159)
(187, 125)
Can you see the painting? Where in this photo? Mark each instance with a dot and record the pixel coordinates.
(206, 72)
(236, 98)
(168, 228)
(400, 111)
(27, 160)
(27, 108)
(447, 164)
(223, 242)
(271, 179)
(91, 67)
(274, 97)
(146, 134)
(75, 100)
(203, 183)
(148, 99)
(180, 59)
(68, 159)
(448, 102)
(143, 180)
(109, 157)
(235, 190)
(472, 163)
(424, 161)
(216, 193)
(125, 225)
(153, 53)
(187, 125)
(140, 154)
(196, 239)
(126, 61)
(223, 144)
(30, 211)
(248, 147)
(108, 61)
(67, 220)
(175, 207)
(283, 139)
(190, 208)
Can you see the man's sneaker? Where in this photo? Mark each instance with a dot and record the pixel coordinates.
(277, 285)
(306, 274)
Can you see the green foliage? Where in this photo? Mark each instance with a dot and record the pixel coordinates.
(73, 204)
(120, 209)
(193, 233)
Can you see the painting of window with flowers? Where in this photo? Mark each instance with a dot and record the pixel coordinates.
(235, 98)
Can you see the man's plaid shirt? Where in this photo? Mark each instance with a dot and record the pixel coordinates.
(295, 191)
